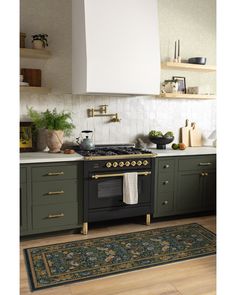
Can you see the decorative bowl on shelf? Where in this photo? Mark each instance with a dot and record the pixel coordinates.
(161, 142)
(197, 60)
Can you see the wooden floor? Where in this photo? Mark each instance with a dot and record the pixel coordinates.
(192, 277)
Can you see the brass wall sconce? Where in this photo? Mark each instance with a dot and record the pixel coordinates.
(102, 112)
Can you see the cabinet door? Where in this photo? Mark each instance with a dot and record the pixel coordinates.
(209, 196)
(23, 208)
(189, 192)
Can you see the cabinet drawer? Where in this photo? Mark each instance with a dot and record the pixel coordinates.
(51, 173)
(22, 175)
(54, 192)
(197, 163)
(165, 204)
(166, 165)
(57, 215)
(165, 183)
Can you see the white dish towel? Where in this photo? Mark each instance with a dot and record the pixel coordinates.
(130, 188)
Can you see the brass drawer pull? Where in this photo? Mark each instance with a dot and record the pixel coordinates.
(204, 174)
(55, 173)
(205, 164)
(50, 216)
(55, 193)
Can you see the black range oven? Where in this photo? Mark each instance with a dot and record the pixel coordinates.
(104, 169)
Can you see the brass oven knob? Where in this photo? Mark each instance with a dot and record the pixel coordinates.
(139, 163)
(108, 164)
(115, 164)
(127, 163)
(133, 163)
(145, 163)
(121, 164)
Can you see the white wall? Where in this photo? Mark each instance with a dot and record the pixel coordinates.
(191, 21)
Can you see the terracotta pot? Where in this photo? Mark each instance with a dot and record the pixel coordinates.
(37, 44)
(54, 140)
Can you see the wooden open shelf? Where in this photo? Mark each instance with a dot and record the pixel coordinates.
(187, 96)
(187, 67)
(34, 90)
(35, 53)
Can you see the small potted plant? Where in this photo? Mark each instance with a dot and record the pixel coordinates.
(39, 41)
(56, 125)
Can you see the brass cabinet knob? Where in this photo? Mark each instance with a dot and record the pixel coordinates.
(133, 163)
(121, 164)
(165, 182)
(167, 166)
(139, 163)
(165, 203)
(108, 164)
(115, 164)
(202, 174)
(206, 174)
(145, 163)
(127, 163)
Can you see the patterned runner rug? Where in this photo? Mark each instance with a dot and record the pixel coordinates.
(62, 263)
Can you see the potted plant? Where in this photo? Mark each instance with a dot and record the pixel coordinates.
(56, 125)
(39, 41)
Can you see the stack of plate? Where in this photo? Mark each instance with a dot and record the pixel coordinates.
(24, 84)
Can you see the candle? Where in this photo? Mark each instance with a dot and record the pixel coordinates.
(175, 51)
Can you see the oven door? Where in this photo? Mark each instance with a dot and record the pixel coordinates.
(106, 190)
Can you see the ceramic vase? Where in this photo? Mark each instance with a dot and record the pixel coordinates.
(41, 139)
(54, 140)
(37, 44)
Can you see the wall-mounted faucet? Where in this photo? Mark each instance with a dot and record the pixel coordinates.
(102, 112)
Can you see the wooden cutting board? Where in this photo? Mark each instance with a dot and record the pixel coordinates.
(184, 132)
(195, 135)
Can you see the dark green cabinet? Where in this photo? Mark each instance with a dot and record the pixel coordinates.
(185, 184)
(23, 208)
(23, 201)
(51, 197)
(189, 192)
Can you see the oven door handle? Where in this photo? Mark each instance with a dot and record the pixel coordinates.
(97, 176)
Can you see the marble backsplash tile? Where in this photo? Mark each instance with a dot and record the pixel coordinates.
(138, 115)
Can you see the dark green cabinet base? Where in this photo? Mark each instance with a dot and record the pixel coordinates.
(185, 185)
(51, 197)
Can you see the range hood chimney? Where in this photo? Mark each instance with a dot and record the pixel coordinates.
(115, 47)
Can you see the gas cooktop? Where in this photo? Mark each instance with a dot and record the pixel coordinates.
(114, 152)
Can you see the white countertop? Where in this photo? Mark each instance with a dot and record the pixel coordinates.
(189, 151)
(45, 157)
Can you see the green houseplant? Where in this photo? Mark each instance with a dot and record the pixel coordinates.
(56, 124)
(39, 41)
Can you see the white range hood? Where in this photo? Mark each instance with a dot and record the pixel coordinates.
(115, 47)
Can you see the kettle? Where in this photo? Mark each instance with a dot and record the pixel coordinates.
(86, 143)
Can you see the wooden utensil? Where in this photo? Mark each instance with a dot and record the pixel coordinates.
(184, 132)
(195, 135)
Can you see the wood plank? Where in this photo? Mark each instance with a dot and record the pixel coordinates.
(35, 53)
(33, 90)
(187, 67)
(187, 96)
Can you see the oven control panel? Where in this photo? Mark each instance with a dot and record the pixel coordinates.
(129, 163)
(119, 164)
